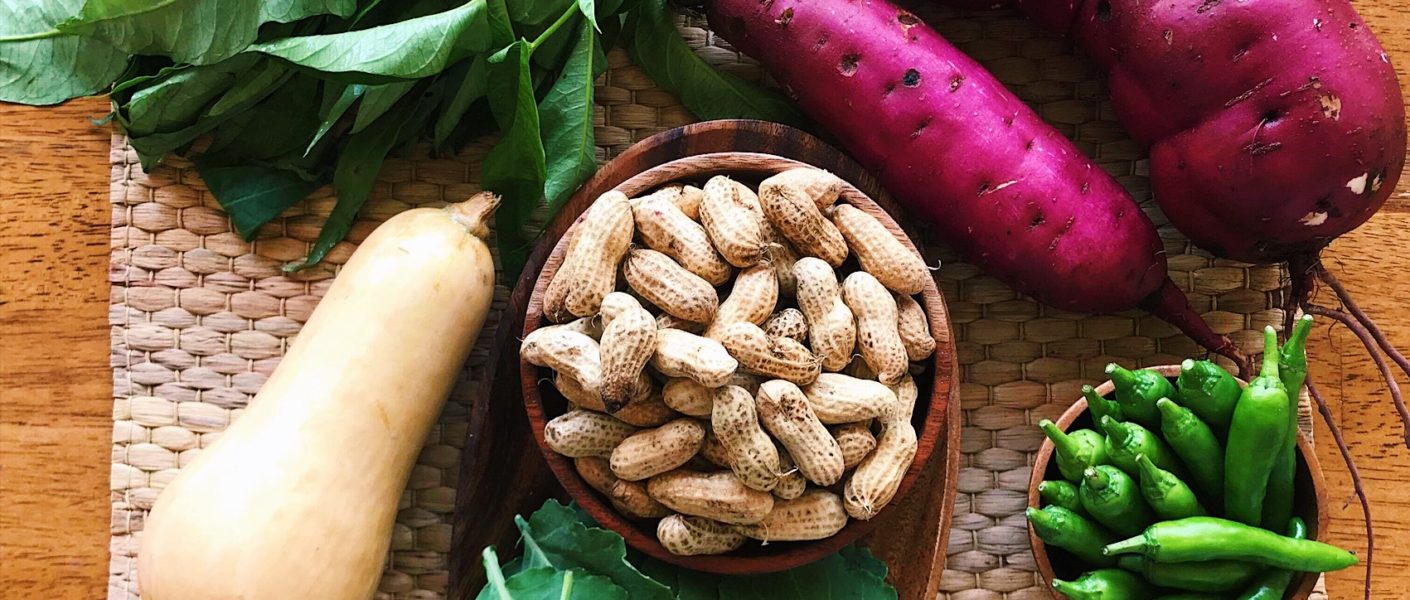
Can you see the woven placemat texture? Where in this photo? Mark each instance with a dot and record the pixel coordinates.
(200, 318)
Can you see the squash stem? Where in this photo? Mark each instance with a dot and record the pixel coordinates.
(474, 214)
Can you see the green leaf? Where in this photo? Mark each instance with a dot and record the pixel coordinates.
(252, 194)
(192, 31)
(283, 123)
(568, 544)
(55, 68)
(472, 88)
(566, 115)
(589, 10)
(536, 12)
(411, 49)
(658, 49)
(334, 110)
(545, 583)
(514, 168)
(834, 578)
(501, 27)
(177, 100)
(377, 101)
(357, 168)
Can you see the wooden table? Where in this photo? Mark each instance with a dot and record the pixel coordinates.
(55, 383)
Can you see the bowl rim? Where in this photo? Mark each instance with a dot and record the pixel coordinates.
(1303, 582)
(943, 384)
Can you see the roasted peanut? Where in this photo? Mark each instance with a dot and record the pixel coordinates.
(644, 408)
(789, 323)
(630, 498)
(654, 451)
(822, 187)
(579, 433)
(589, 269)
(792, 212)
(791, 483)
(906, 394)
(873, 484)
(815, 515)
(777, 357)
(751, 453)
(720, 496)
(781, 257)
(859, 368)
(856, 442)
(683, 354)
(752, 298)
(831, 327)
(664, 228)
(691, 536)
(914, 328)
(685, 197)
(877, 333)
(565, 351)
(668, 285)
(785, 413)
(588, 326)
(895, 264)
(628, 341)
(597, 473)
(838, 398)
(667, 321)
(688, 397)
(734, 220)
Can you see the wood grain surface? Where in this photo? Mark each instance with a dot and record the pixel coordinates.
(55, 383)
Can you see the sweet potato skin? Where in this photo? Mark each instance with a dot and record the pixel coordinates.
(1274, 125)
(944, 137)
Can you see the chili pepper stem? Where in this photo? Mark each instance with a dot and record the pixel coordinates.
(1134, 545)
(1097, 479)
(1270, 353)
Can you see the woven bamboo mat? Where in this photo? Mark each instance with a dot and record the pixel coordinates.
(200, 318)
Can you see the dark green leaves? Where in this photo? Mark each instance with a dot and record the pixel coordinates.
(514, 168)
(52, 69)
(253, 194)
(191, 31)
(560, 542)
(410, 49)
(709, 93)
(566, 114)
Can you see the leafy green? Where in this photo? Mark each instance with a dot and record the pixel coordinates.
(52, 68)
(377, 101)
(566, 115)
(561, 540)
(411, 49)
(192, 31)
(253, 194)
(705, 91)
(473, 85)
(515, 167)
(334, 109)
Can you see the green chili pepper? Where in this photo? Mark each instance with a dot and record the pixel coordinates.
(1110, 496)
(1292, 371)
(1165, 493)
(1208, 538)
(1101, 407)
(1075, 450)
(1273, 583)
(1192, 596)
(1202, 576)
(1256, 437)
(1063, 528)
(1061, 493)
(1137, 391)
(1194, 442)
(1105, 584)
(1124, 441)
(1209, 391)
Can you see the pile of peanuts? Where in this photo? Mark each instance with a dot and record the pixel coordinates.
(765, 424)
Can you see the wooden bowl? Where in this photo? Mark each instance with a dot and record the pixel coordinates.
(1057, 562)
(934, 413)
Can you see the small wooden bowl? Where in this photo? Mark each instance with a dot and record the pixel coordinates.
(934, 410)
(1311, 507)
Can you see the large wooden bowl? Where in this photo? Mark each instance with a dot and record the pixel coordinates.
(933, 418)
(1312, 507)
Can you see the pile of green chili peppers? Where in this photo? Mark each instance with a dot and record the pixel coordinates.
(1184, 489)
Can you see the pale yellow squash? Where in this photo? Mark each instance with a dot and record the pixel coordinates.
(298, 497)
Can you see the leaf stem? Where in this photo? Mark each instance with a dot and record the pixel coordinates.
(548, 33)
(29, 37)
(567, 586)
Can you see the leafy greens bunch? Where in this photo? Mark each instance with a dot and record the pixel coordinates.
(567, 556)
(274, 98)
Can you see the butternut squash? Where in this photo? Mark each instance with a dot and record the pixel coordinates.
(298, 498)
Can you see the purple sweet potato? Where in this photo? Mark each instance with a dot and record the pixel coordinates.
(955, 147)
